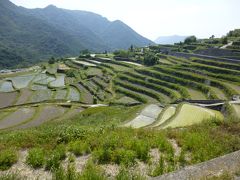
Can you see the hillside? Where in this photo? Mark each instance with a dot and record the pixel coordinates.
(133, 114)
(37, 34)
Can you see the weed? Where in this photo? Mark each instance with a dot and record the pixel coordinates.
(36, 157)
(7, 159)
(79, 148)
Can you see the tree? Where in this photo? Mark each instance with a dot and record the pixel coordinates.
(131, 48)
(51, 60)
(212, 37)
(85, 52)
(190, 39)
(225, 40)
(150, 59)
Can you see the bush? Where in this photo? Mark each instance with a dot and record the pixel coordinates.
(124, 157)
(69, 174)
(7, 159)
(159, 170)
(103, 155)
(190, 39)
(53, 162)
(150, 59)
(141, 148)
(36, 158)
(123, 175)
(92, 172)
(79, 148)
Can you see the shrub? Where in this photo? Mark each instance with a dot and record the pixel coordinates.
(79, 148)
(190, 39)
(123, 175)
(141, 148)
(53, 162)
(150, 59)
(69, 174)
(7, 159)
(124, 157)
(159, 170)
(36, 158)
(92, 172)
(103, 155)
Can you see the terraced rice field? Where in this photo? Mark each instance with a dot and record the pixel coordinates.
(188, 114)
(108, 81)
(84, 63)
(7, 99)
(44, 114)
(166, 114)
(6, 86)
(20, 116)
(58, 82)
(147, 116)
(20, 82)
(74, 94)
(25, 94)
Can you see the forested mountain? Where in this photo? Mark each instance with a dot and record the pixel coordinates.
(30, 35)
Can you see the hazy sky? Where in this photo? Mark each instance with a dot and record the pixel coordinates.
(153, 18)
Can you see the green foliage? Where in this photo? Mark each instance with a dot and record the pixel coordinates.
(123, 53)
(234, 33)
(51, 60)
(142, 149)
(124, 157)
(149, 85)
(190, 39)
(123, 174)
(36, 157)
(159, 170)
(92, 171)
(131, 87)
(55, 157)
(79, 148)
(224, 40)
(69, 174)
(150, 59)
(7, 158)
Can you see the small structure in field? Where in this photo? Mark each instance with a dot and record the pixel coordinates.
(62, 68)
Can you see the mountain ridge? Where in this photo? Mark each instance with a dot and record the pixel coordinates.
(37, 34)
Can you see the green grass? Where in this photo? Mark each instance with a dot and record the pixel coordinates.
(7, 158)
(36, 157)
(93, 131)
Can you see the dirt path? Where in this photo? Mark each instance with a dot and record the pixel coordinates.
(225, 46)
(148, 115)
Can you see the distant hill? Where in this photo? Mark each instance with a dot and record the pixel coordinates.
(30, 35)
(170, 39)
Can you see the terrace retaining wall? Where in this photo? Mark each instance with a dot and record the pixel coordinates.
(188, 55)
(229, 163)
